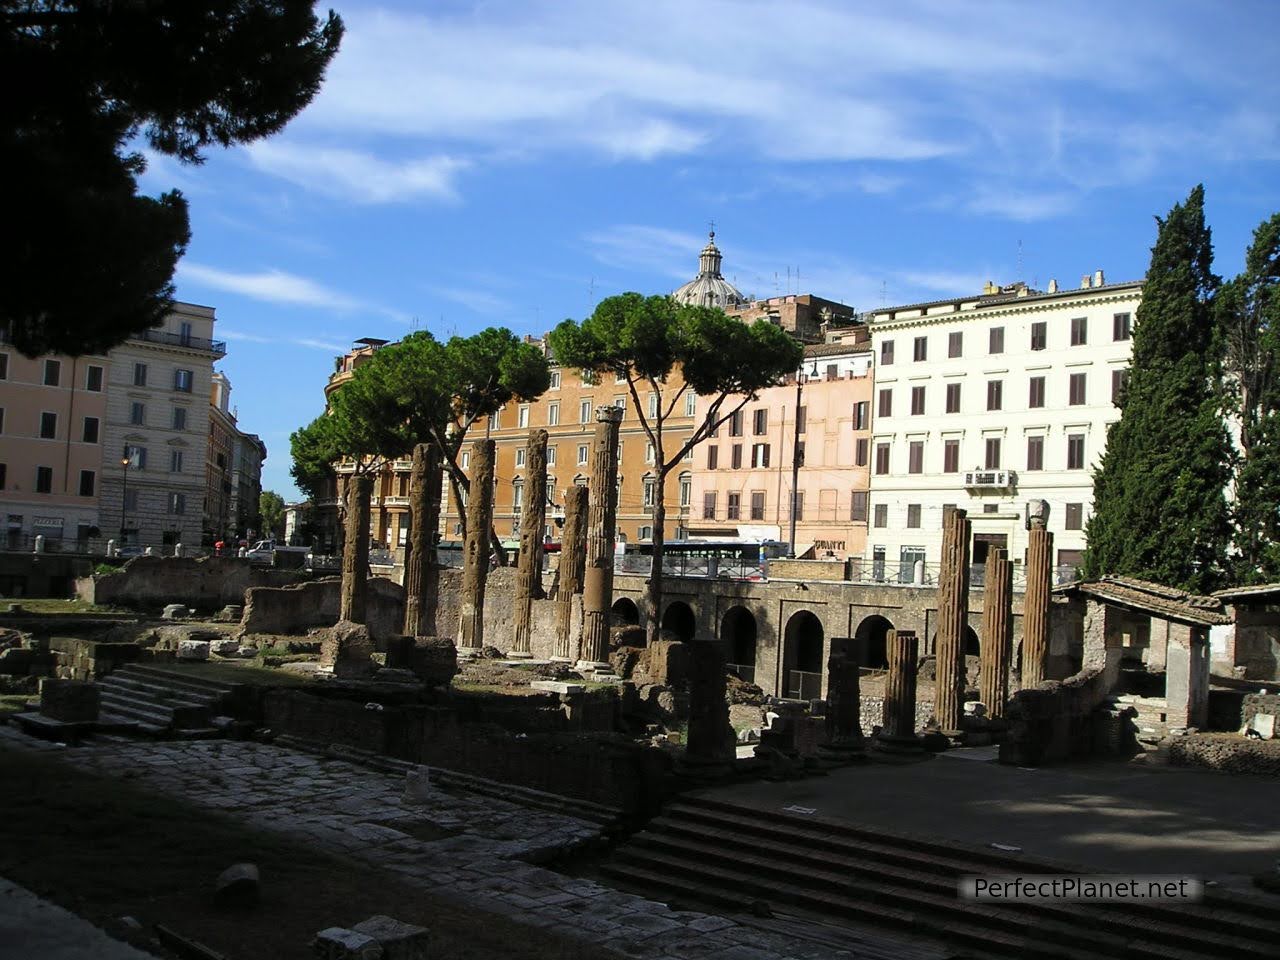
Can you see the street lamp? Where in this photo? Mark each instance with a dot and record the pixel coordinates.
(797, 456)
(124, 493)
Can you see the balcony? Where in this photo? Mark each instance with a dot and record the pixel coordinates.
(217, 347)
(990, 479)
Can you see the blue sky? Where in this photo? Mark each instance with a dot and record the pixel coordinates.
(474, 164)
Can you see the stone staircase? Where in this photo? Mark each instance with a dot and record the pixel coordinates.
(1151, 720)
(728, 857)
(169, 703)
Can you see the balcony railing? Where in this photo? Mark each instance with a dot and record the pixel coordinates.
(217, 347)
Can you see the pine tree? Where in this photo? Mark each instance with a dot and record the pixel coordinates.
(1159, 507)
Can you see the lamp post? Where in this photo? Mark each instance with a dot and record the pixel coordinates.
(124, 492)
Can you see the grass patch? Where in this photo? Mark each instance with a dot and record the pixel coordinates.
(105, 848)
(15, 702)
(56, 605)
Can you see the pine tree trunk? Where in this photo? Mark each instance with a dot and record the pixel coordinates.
(653, 590)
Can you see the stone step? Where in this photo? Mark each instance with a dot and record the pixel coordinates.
(157, 689)
(1236, 914)
(806, 866)
(177, 677)
(117, 723)
(528, 797)
(172, 714)
(146, 712)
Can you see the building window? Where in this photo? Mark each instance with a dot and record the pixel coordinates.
(648, 453)
(1035, 453)
(759, 455)
(917, 401)
(1079, 331)
(882, 459)
(1076, 390)
(621, 404)
(760, 422)
(466, 460)
(955, 344)
(93, 379)
(995, 394)
(44, 479)
(1075, 516)
(4, 366)
(553, 414)
(913, 516)
(735, 457)
(590, 378)
(520, 456)
(953, 398)
(87, 480)
(584, 411)
(184, 333)
(517, 495)
(177, 503)
(920, 349)
(995, 343)
(915, 456)
(653, 406)
(179, 418)
(798, 499)
(1035, 398)
(860, 451)
(861, 414)
(709, 505)
(52, 373)
(733, 506)
(137, 457)
(1075, 451)
(735, 423)
(951, 456)
(90, 434)
(858, 506)
(1121, 327)
(175, 461)
(882, 515)
(757, 504)
(582, 454)
(993, 453)
(885, 403)
(1039, 335)
(4, 474)
(713, 457)
(182, 380)
(1119, 381)
(137, 413)
(690, 404)
(139, 374)
(522, 416)
(555, 380)
(48, 425)
(886, 353)
(802, 419)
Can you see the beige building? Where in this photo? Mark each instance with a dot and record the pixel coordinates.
(233, 471)
(53, 410)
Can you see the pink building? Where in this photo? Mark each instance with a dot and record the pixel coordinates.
(742, 477)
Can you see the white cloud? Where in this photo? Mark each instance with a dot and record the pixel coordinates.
(230, 333)
(358, 176)
(273, 286)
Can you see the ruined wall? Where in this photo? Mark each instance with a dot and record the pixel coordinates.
(1061, 720)
(1255, 703)
(1257, 641)
(41, 574)
(1227, 753)
(80, 659)
(499, 612)
(297, 608)
(872, 714)
(201, 583)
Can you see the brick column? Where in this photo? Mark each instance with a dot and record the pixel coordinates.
(997, 632)
(475, 550)
(1035, 611)
(532, 519)
(597, 580)
(899, 723)
(355, 550)
(422, 568)
(953, 615)
(573, 553)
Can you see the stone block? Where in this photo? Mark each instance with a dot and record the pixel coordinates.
(556, 686)
(193, 650)
(433, 660)
(347, 649)
(69, 701)
(225, 647)
(399, 940)
(175, 611)
(339, 943)
(237, 887)
(231, 613)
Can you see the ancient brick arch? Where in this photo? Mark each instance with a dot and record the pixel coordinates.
(739, 633)
(870, 642)
(802, 656)
(680, 620)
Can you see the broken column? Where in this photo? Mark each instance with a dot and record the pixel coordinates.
(844, 708)
(953, 616)
(532, 520)
(573, 551)
(1035, 611)
(475, 550)
(710, 746)
(422, 569)
(898, 730)
(355, 550)
(997, 633)
(597, 579)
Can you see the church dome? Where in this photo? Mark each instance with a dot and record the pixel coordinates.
(709, 288)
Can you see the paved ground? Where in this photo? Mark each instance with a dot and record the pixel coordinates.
(468, 847)
(31, 927)
(1113, 817)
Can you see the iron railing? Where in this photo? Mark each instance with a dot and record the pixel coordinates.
(217, 347)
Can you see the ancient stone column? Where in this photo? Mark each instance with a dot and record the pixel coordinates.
(899, 723)
(573, 555)
(1035, 610)
(422, 569)
(475, 550)
(953, 616)
(844, 705)
(532, 520)
(997, 632)
(597, 579)
(355, 550)
(709, 740)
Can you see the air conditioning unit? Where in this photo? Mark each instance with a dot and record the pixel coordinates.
(989, 479)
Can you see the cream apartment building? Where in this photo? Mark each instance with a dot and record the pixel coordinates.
(988, 402)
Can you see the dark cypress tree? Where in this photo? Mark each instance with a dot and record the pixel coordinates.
(1160, 512)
